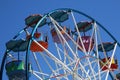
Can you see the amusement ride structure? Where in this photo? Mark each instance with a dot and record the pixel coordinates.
(64, 44)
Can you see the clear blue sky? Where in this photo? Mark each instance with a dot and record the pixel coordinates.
(13, 13)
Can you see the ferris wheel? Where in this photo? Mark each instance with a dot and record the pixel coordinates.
(64, 44)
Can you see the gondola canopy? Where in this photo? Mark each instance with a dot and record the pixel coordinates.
(32, 20)
(84, 26)
(107, 46)
(59, 16)
(17, 45)
(118, 76)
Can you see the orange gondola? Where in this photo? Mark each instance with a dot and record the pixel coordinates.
(35, 46)
(105, 62)
(88, 43)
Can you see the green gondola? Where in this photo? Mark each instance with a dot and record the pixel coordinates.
(15, 70)
(14, 65)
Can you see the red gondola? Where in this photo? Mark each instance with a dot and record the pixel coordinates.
(36, 35)
(88, 43)
(57, 38)
(104, 64)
